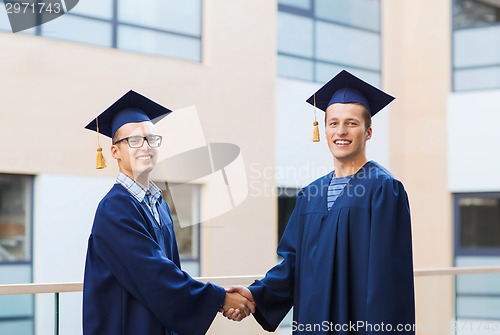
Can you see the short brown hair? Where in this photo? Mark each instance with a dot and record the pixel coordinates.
(116, 136)
(367, 116)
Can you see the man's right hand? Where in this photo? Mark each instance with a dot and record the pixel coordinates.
(239, 303)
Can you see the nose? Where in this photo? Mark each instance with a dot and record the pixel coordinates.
(342, 129)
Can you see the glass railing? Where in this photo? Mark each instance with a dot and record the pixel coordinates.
(458, 300)
(452, 301)
(449, 300)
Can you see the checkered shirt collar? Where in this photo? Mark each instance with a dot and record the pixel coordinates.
(137, 190)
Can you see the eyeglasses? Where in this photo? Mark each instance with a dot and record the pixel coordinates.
(154, 141)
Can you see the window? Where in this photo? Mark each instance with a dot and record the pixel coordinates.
(15, 218)
(16, 311)
(475, 13)
(477, 218)
(167, 28)
(287, 197)
(286, 204)
(476, 34)
(318, 38)
(477, 243)
(185, 204)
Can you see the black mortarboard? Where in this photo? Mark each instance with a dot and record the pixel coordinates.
(347, 88)
(130, 108)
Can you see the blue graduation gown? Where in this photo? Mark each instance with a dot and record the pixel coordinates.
(133, 279)
(348, 265)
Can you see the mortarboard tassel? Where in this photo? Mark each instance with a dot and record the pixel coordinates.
(100, 162)
(315, 137)
(315, 132)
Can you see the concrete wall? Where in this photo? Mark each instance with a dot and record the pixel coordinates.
(416, 66)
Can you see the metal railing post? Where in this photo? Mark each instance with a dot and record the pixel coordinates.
(56, 313)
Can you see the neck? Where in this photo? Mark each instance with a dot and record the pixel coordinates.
(144, 181)
(348, 167)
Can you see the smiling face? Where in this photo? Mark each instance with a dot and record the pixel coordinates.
(136, 163)
(346, 133)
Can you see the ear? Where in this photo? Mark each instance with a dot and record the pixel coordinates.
(368, 134)
(115, 152)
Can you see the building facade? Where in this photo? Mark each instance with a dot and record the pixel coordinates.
(59, 76)
(247, 67)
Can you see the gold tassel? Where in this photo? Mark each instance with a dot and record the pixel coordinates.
(100, 162)
(315, 137)
(315, 132)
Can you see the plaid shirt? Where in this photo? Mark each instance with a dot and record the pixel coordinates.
(149, 196)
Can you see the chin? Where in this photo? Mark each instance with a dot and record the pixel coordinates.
(342, 157)
(339, 154)
(143, 169)
(148, 169)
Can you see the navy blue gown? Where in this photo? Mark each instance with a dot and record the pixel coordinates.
(350, 265)
(133, 279)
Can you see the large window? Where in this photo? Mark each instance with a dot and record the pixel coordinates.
(286, 203)
(186, 200)
(476, 36)
(168, 28)
(477, 243)
(16, 311)
(318, 38)
(15, 218)
(477, 224)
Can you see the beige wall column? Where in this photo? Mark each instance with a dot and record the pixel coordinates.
(416, 66)
(241, 51)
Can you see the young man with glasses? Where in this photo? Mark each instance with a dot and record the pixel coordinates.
(133, 280)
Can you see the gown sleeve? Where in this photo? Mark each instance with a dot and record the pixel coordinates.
(274, 295)
(390, 298)
(123, 243)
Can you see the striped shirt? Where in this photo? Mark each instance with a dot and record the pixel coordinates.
(151, 197)
(335, 188)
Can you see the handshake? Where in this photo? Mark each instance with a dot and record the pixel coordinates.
(238, 303)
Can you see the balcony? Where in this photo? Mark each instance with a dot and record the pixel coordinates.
(474, 292)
